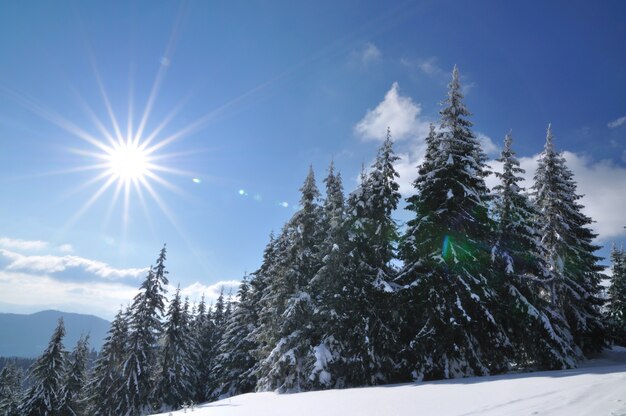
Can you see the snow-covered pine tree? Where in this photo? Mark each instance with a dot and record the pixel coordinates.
(46, 378)
(219, 311)
(203, 331)
(368, 324)
(228, 310)
(325, 289)
(105, 385)
(173, 385)
(287, 366)
(11, 394)
(145, 328)
(540, 335)
(218, 315)
(617, 297)
(259, 298)
(235, 362)
(73, 391)
(446, 252)
(568, 242)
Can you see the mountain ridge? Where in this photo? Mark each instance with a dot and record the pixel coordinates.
(27, 335)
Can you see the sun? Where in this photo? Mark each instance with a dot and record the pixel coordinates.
(127, 162)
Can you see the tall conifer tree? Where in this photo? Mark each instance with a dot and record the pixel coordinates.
(46, 377)
(174, 382)
(568, 241)
(617, 297)
(204, 343)
(540, 334)
(106, 383)
(446, 252)
(73, 392)
(235, 362)
(145, 328)
(326, 289)
(369, 325)
(288, 365)
(11, 394)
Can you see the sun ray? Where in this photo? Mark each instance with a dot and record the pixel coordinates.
(126, 203)
(88, 183)
(54, 118)
(165, 183)
(60, 172)
(208, 117)
(90, 202)
(131, 102)
(144, 206)
(93, 154)
(94, 118)
(113, 203)
(158, 168)
(166, 211)
(173, 155)
(165, 63)
(162, 125)
(105, 98)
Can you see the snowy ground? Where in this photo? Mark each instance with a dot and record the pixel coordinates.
(597, 388)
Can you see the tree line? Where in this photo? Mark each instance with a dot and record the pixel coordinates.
(478, 282)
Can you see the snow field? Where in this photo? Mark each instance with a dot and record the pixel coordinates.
(597, 388)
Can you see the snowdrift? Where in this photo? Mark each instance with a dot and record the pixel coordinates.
(596, 388)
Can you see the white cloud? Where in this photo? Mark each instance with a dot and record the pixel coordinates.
(403, 116)
(467, 87)
(210, 292)
(17, 244)
(365, 55)
(430, 66)
(617, 122)
(487, 144)
(66, 248)
(406, 167)
(398, 112)
(370, 53)
(54, 264)
(602, 184)
(34, 292)
(38, 292)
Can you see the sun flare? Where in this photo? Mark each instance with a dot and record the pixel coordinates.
(128, 162)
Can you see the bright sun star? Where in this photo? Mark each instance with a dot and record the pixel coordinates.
(128, 162)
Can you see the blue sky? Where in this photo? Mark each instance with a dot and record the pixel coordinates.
(253, 92)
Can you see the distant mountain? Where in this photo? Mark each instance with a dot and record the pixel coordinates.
(28, 335)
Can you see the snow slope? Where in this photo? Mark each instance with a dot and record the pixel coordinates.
(597, 388)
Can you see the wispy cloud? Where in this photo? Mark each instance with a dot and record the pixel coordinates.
(467, 87)
(427, 66)
(367, 54)
(398, 112)
(430, 66)
(76, 284)
(17, 244)
(66, 248)
(617, 122)
(55, 264)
